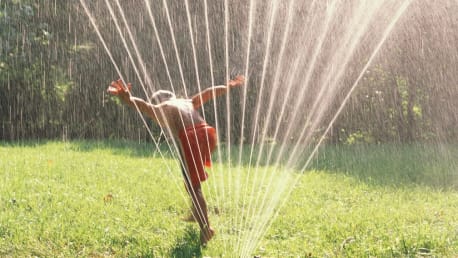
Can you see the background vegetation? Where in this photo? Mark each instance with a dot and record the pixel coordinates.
(54, 71)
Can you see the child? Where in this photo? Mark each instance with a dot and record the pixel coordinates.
(197, 139)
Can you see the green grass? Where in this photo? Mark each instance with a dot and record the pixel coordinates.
(103, 199)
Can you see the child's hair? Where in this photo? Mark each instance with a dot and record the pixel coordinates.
(161, 96)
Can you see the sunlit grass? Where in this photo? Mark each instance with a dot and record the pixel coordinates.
(121, 199)
(337, 215)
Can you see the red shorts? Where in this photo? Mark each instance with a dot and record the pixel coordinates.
(197, 143)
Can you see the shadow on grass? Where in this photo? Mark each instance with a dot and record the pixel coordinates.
(124, 147)
(188, 245)
(24, 143)
(393, 165)
(431, 165)
(120, 147)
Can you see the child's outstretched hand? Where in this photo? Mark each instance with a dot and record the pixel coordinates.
(117, 88)
(237, 81)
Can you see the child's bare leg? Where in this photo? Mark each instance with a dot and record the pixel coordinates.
(191, 217)
(200, 214)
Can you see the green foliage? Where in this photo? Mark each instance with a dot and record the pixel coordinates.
(358, 138)
(30, 83)
(54, 72)
(386, 107)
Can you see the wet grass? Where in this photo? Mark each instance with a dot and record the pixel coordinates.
(429, 165)
(102, 199)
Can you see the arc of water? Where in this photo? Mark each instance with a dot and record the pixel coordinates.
(138, 55)
(228, 96)
(175, 47)
(331, 8)
(159, 42)
(272, 20)
(182, 74)
(196, 66)
(107, 50)
(273, 15)
(195, 57)
(196, 69)
(124, 42)
(273, 94)
(177, 56)
(215, 110)
(295, 70)
(319, 115)
(242, 129)
(164, 60)
(113, 16)
(212, 78)
(352, 40)
(140, 60)
(287, 95)
(158, 39)
(273, 97)
(307, 77)
(274, 199)
(137, 52)
(228, 99)
(386, 33)
(345, 52)
(264, 212)
(133, 63)
(162, 113)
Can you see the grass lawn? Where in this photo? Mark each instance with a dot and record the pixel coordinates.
(114, 199)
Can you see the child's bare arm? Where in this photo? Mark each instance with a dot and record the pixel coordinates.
(201, 98)
(117, 88)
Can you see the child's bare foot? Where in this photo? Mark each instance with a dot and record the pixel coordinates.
(206, 236)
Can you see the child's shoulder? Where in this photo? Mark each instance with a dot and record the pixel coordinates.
(181, 103)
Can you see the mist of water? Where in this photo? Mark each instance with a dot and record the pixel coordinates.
(303, 58)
